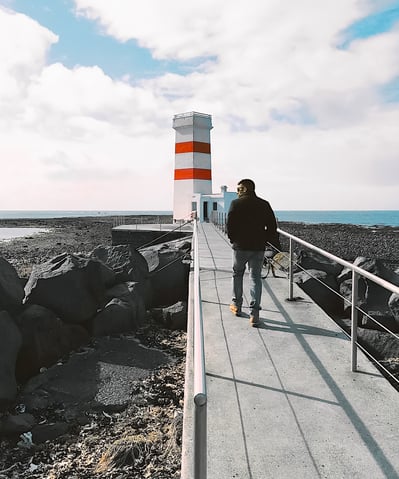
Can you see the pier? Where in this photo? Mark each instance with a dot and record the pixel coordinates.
(281, 399)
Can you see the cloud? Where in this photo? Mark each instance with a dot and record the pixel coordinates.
(21, 61)
(304, 116)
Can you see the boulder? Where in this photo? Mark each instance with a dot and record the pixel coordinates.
(381, 345)
(71, 285)
(45, 339)
(308, 259)
(128, 264)
(373, 298)
(172, 317)
(383, 318)
(131, 293)
(10, 342)
(345, 289)
(374, 266)
(116, 317)
(125, 261)
(11, 289)
(150, 253)
(169, 266)
(314, 283)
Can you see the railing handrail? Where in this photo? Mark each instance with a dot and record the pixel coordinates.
(376, 279)
(356, 273)
(200, 395)
(199, 350)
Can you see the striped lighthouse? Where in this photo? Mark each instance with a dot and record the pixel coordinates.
(193, 173)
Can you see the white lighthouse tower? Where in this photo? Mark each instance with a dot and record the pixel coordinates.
(193, 172)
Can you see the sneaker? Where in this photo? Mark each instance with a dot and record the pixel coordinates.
(236, 310)
(254, 319)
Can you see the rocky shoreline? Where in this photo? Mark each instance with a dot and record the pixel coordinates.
(139, 434)
(143, 438)
(83, 234)
(66, 235)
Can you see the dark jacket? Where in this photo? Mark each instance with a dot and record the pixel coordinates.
(251, 223)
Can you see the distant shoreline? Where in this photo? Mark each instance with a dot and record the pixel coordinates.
(55, 214)
(41, 226)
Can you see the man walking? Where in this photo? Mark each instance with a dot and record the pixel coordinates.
(250, 225)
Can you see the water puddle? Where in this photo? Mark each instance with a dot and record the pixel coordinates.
(7, 234)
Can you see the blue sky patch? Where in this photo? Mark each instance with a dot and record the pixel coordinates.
(375, 24)
(82, 43)
(390, 91)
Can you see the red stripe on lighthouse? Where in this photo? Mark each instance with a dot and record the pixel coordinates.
(192, 147)
(193, 174)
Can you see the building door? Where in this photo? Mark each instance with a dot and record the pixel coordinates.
(206, 218)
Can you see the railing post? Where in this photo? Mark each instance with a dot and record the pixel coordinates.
(291, 274)
(355, 282)
(200, 433)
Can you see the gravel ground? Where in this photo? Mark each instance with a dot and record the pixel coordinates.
(139, 441)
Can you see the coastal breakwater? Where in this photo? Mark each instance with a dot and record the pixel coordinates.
(72, 297)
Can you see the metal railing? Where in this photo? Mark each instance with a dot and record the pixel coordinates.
(190, 114)
(357, 272)
(200, 397)
(219, 219)
(136, 220)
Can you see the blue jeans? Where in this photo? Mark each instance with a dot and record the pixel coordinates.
(254, 259)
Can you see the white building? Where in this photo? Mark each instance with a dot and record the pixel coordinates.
(193, 171)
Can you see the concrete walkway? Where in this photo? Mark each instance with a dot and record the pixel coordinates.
(282, 401)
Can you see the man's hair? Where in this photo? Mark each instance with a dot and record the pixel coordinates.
(249, 184)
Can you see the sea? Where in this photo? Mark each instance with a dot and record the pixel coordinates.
(347, 217)
(355, 217)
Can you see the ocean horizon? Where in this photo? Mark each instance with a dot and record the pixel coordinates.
(355, 217)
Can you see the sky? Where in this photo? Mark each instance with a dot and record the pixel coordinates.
(304, 98)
